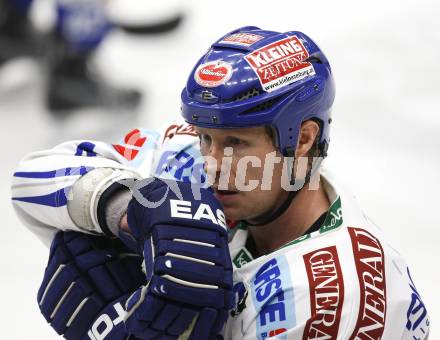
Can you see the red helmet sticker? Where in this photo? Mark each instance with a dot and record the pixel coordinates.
(213, 74)
(241, 39)
(280, 63)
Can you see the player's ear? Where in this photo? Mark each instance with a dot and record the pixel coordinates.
(308, 132)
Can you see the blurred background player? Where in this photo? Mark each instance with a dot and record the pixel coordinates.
(79, 28)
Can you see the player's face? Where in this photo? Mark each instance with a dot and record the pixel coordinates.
(246, 145)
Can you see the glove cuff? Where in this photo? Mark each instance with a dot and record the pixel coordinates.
(111, 207)
(87, 192)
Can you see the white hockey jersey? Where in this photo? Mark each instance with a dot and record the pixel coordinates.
(343, 281)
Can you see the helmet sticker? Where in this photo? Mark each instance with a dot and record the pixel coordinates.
(280, 63)
(214, 73)
(241, 39)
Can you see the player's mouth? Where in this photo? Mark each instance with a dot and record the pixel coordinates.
(224, 195)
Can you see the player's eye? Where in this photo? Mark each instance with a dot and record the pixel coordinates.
(204, 138)
(234, 141)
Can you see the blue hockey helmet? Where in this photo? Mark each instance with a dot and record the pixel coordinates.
(252, 77)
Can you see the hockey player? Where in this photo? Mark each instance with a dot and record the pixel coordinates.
(307, 262)
(78, 31)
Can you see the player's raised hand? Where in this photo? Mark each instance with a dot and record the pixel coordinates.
(86, 284)
(186, 259)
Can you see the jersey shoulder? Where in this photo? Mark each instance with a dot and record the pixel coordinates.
(178, 154)
(342, 281)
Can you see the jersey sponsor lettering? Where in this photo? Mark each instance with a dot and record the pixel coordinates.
(417, 324)
(326, 293)
(280, 63)
(133, 142)
(242, 257)
(271, 288)
(182, 166)
(213, 74)
(370, 266)
(86, 148)
(178, 129)
(241, 39)
(241, 294)
(333, 219)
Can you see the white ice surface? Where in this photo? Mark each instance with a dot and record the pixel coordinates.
(385, 138)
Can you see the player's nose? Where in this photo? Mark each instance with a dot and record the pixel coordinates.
(217, 164)
(216, 151)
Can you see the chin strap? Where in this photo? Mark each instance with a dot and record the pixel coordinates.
(267, 217)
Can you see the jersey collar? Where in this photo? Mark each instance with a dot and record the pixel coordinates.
(333, 220)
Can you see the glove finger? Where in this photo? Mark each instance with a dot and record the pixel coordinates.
(220, 321)
(56, 288)
(204, 324)
(148, 258)
(80, 323)
(121, 275)
(69, 235)
(77, 243)
(56, 242)
(170, 232)
(57, 262)
(140, 312)
(143, 306)
(91, 259)
(133, 266)
(150, 308)
(191, 271)
(147, 333)
(134, 298)
(185, 292)
(168, 337)
(167, 315)
(71, 300)
(182, 322)
(210, 254)
(101, 278)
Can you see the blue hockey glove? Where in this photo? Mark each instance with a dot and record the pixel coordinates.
(86, 284)
(186, 260)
